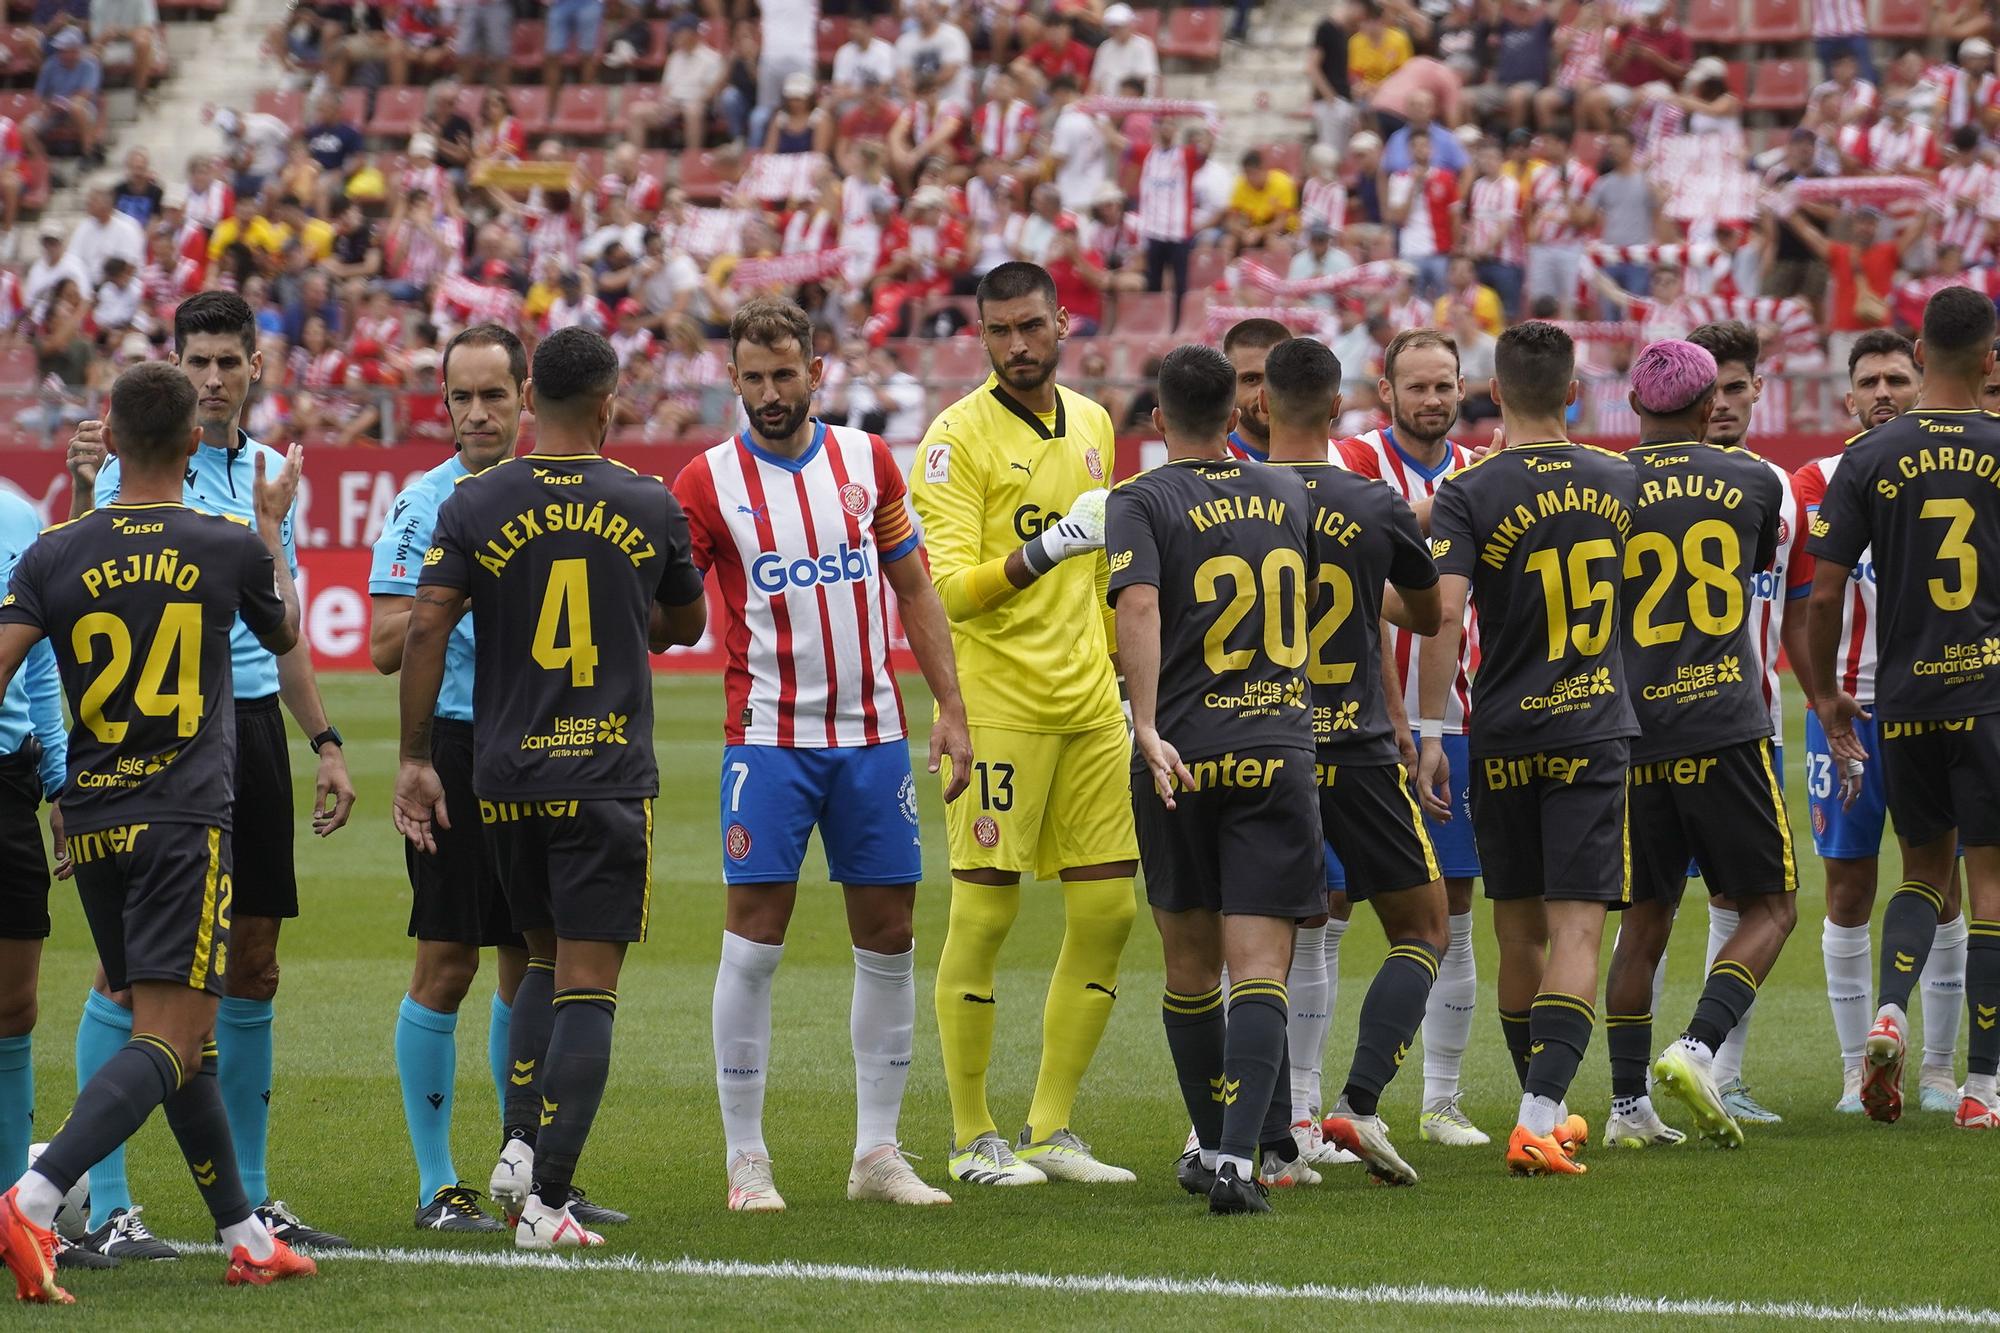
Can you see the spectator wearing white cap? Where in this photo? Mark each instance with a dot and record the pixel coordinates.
(800, 125)
(1125, 53)
(1969, 86)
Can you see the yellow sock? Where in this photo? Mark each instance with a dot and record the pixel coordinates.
(980, 917)
(1097, 918)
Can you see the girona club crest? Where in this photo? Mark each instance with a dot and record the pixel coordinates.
(987, 831)
(737, 842)
(1784, 534)
(1095, 462)
(854, 499)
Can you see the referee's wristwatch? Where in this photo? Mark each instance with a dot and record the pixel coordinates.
(331, 736)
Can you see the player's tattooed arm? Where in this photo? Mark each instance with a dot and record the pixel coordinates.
(929, 633)
(1437, 671)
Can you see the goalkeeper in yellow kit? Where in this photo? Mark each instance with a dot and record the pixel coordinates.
(1010, 487)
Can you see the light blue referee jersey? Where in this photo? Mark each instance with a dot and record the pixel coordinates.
(399, 559)
(224, 481)
(33, 702)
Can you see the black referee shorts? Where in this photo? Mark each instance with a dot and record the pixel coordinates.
(1724, 809)
(1376, 828)
(581, 868)
(1244, 841)
(1552, 824)
(455, 895)
(264, 818)
(157, 897)
(1941, 776)
(24, 868)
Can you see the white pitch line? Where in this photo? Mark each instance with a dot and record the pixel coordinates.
(1419, 1295)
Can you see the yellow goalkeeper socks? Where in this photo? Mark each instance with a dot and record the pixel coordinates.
(981, 915)
(1097, 918)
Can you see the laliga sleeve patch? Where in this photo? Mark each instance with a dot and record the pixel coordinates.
(937, 464)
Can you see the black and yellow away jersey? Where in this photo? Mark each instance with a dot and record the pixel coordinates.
(563, 558)
(1921, 489)
(1706, 522)
(1540, 531)
(1364, 535)
(1229, 546)
(139, 601)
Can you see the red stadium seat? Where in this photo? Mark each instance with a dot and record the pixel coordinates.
(17, 367)
(699, 178)
(526, 53)
(531, 107)
(353, 106)
(1717, 21)
(954, 361)
(1144, 314)
(1776, 21)
(287, 104)
(1738, 77)
(715, 32)
(1193, 35)
(1194, 312)
(397, 111)
(1780, 85)
(1205, 268)
(582, 112)
(1901, 18)
(888, 28)
(468, 102)
(1146, 22)
(832, 33)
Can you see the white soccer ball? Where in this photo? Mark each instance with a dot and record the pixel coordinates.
(73, 1217)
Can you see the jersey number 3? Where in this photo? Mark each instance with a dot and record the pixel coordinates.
(566, 607)
(175, 647)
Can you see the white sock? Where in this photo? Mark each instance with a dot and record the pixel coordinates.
(1210, 1159)
(253, 1237)
(883, 1025)
(1335, 928)
(1944, 992)
(1845, 949)
(1539, 1115)
(1981, 1087)
(1448, 1014)
(741, 1022)
(1698, 1049)
(1305, 1035)
(1632, 1108)
(38, 1198)
(1244, 1171)
(1722, 924)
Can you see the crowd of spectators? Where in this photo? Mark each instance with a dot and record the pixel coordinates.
(647, 166)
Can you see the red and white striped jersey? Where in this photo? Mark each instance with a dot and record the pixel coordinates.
(1427, 229)
(797, 547)
(1583, 63)
(1856, 657)
(207, 207)
(928, 118)
(1377, 454)
(644, 193)
(808, 231)
(431, 179)
(328, 370)
(1005, 132)
(385, 332)
(1970, 197)
(1109, 238)
(1839, 18)
(1860, 95)
(1962, 94)
(1166, 194)
(1891, 151)
(1322, 203)
(1554, 191)
(11, 147)
(1772, 590)
(11, 307)
(1494, 219)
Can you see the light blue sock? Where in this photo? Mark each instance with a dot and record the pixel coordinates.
(497, 1029)
(243, 1045)
(17, 1103)
(103, 1032)
(427, 1066)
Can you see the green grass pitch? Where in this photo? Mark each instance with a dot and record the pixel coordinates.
(1821, 1212)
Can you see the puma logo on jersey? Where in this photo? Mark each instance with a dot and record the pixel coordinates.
(1021, 467)
(757, 514)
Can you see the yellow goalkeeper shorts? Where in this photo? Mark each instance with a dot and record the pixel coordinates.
(1043, 802)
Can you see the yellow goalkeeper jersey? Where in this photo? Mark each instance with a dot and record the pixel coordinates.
(990, 476)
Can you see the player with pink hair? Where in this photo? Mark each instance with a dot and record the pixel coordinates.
(1669, 376)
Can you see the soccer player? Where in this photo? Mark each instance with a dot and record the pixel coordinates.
(802, 525)
(1009, 487)
(1212, 558)
(32, 739)
(573, 566)
(457, 907)
(215, 347)
(1704, 780)
(1849, 803)
(1247, 343)
(142, 600)
(1423, 388)
(1364, 536)
(1917, 492)
(1535, 535)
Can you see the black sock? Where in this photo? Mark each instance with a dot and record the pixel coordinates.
(1982, 996)
(1275, 1140)
(1558, 1031)
(1630, 1037)
(1514, 1027)
(527, 1046)
(1194, 1039)
(1252, 1051)
(1909, 925)
(201, 1127)
(578, 1063)
(1391, 1013)
(1728, 994)
(139, 1076)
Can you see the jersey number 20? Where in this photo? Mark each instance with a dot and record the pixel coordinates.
(566, 606)
(1281, 640)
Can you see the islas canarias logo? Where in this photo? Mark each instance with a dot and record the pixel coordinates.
(575, 737)
(1572, 694)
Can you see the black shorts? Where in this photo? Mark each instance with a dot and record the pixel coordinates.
(1369, 815)
(1243, 842)
(1724, 809)
(264, 818)
(1941, 776)
(24, 868)
(1552, 825)
(455, 894)
(583, 868)
(157, 897)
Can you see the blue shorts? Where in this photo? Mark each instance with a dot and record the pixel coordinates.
(862, 798)
(1457, 853)
(1778, 764)
(1854, 834)
(572, 25)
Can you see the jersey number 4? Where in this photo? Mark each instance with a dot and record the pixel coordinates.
(566, 607)
(175, 650)
(1280, 630)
